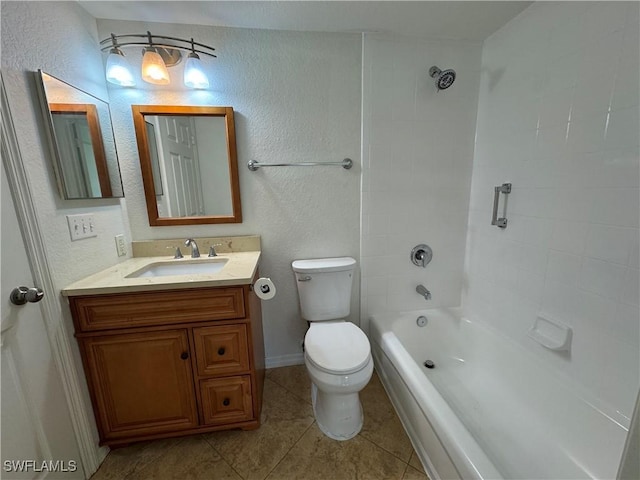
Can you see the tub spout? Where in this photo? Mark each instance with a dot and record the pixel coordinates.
(424, 292)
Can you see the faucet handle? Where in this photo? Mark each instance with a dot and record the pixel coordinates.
(212, 251)
(178, 253)
(421, 255)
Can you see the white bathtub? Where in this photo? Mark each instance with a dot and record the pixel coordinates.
(488, 409)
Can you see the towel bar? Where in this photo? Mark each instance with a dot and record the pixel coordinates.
(254, 165)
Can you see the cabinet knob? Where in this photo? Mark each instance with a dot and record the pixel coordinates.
(226, 402)
(184, 355)
(221, 351)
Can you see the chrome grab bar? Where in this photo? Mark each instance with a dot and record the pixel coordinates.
(254, 165)
(505, 188)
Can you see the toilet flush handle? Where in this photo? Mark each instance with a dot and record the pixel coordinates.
(304, 279)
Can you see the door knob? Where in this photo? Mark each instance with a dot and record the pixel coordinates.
(22, 295)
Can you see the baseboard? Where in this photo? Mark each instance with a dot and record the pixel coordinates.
(284, 360)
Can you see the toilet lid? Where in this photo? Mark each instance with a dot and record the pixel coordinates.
(337, 347)
(318, 265)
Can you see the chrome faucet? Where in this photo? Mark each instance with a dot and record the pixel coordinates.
(424, 292)
(195, 253)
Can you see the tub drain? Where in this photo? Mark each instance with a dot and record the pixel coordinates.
(429, 364)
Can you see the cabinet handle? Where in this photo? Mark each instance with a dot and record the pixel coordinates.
(226, 402)
(221, 351)
(184, 355)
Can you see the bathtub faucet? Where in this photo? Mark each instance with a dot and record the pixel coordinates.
(424, 292)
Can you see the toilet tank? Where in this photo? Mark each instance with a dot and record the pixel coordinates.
(324, 287)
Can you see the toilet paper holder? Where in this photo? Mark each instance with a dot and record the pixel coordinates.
(264, 288)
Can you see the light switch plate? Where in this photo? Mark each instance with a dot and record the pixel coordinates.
(81, 226)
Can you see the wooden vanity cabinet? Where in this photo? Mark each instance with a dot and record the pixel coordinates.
(174, 362)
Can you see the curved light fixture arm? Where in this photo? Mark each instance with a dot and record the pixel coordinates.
(155, 41)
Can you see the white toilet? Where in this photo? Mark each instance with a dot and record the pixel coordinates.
(337, 353)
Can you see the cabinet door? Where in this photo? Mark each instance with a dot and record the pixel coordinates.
(142, 382)
(221, 349)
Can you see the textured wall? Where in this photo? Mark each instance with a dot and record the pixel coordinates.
(296, 97)
(32, 36)
(418, 149)
(564, 131)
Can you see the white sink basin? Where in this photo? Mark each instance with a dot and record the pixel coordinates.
(181, 267)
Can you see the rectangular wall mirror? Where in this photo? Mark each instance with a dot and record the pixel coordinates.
(81, 140)
(188, 163)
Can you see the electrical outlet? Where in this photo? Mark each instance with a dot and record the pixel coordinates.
(121, 247)
(81, 226)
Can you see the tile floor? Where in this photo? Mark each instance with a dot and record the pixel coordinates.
(288, 444)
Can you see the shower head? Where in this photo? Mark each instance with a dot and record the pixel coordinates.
(444, 78)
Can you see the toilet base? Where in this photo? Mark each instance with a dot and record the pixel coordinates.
(339, 416)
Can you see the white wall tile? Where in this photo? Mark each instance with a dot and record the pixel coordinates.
(602, 278)
(569, 236)
(622, 129)
(419, 171)
(634, 257)
(631, 287)
(612, 244)
(573, 237)
(563, 268)
(615, 206)
(586, 134)
(555, 107)
(533, 259)
(627, 323)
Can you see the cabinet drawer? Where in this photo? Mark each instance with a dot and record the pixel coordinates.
(226, 400)
(102, 312)
(221, 349)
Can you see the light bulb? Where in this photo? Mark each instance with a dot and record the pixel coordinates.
(118, 69)
(194, 77)
(153, 68)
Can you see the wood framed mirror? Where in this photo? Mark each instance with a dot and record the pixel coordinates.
(81, 140)
(189, 164)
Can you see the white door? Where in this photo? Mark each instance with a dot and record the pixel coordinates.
(180, 153)
(37, 438)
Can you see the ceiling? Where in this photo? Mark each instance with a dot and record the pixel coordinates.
(463, 20)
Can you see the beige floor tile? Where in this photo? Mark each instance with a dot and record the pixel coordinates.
(381, 423)
(187, 458)
(253, 454)
(413, 474)
(317, 457)
(192, 458)
(414, 461)
(122, 462)
(294, 378)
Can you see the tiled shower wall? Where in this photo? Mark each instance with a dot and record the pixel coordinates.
(417, 155)
(558, 117)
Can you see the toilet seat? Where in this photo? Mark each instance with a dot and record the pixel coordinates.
(337, 347)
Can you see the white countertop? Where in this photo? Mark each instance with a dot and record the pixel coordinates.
(239, 269)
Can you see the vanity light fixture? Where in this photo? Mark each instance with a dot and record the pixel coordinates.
(118, 70)
(159, 52)
(194, 77)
